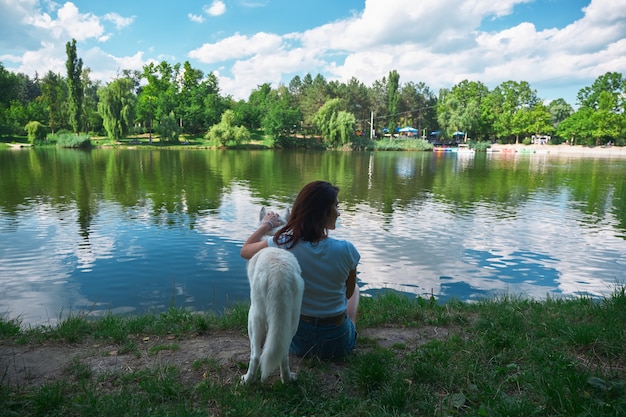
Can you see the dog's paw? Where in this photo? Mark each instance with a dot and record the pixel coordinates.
(292, 378)
(245, 379)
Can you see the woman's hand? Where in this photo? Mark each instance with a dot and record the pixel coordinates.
(272, 218)
(256, 242)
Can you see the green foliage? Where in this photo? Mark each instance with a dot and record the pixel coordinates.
(36, 132)
(179, 99)
(282, 116)
(336, 125)
(71, 140)
(225, 133)
(362, 143)
(74, 67)
(403, 144)
(559, 110)
(393, 98)
(612, 83)
(168, 128)
(578, 128)
(54, 97)
(116, 106)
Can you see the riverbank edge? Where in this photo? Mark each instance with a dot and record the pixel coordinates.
(562, 150)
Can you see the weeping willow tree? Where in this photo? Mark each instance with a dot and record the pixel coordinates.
(336, 125)
(116, 106)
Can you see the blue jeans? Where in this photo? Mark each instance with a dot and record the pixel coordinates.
(325, 341)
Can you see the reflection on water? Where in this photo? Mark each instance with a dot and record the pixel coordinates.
(134, 231)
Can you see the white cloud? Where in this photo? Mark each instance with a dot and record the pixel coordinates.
(120, 22)
(439, 43)
(69, 23)
(237, 46)
(195, 18)
(217, 8)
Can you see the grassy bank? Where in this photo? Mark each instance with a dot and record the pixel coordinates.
(500, 357)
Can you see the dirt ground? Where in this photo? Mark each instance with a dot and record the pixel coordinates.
(32, 365)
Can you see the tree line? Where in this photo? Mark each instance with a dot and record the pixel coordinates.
(173, 100)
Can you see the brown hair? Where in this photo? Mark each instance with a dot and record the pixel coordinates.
(309, 214)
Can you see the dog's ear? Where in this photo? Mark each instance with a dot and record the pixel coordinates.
(262, 213)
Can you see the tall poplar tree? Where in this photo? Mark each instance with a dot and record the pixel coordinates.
(75, 86)
(393, 96)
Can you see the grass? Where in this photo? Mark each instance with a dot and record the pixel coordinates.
(498, 357)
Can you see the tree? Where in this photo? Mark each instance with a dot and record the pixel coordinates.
(357, 98)
(378, 100)
(509, 98)
(559, 111)
(336, 125)
(116, 106)
(225, 131)
(608, 125)
(534, 121)
(578, 129)
(35, 131)
(257, 101)
(459, 109)
(612, 83)
(91, 117)
(74, 67)
(281, 113)
(315, 92)
(54, 93)
(158, 99)
(393, 98)
(168, 128)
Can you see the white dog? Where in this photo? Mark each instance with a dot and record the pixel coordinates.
(281, 220)
(276, 287)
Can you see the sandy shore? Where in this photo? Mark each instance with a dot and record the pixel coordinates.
(563, 150)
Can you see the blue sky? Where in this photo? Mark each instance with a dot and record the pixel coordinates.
(558, 46)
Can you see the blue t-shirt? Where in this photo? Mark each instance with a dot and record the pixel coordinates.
(325, 267)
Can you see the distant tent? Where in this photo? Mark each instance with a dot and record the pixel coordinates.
(408, 129)
(457, 133)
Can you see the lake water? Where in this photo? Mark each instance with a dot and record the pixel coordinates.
(132, 230)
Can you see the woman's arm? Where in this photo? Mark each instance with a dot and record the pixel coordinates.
(256, 242)
(351, 283)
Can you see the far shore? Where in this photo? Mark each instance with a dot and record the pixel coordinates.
(561, 150)
(564, 150)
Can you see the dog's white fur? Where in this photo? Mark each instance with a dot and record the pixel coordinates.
(276, 288)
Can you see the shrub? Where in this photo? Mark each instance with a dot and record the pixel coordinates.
(168, 128)
(362, 143)
(481, 146)
(71, 140)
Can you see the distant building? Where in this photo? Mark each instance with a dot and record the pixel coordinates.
(540, 139)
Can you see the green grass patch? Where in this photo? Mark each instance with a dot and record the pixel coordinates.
(403, 145)
(506, 356)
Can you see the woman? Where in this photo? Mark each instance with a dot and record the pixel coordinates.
(331, 296)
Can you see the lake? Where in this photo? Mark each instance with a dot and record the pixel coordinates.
(137, 230)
